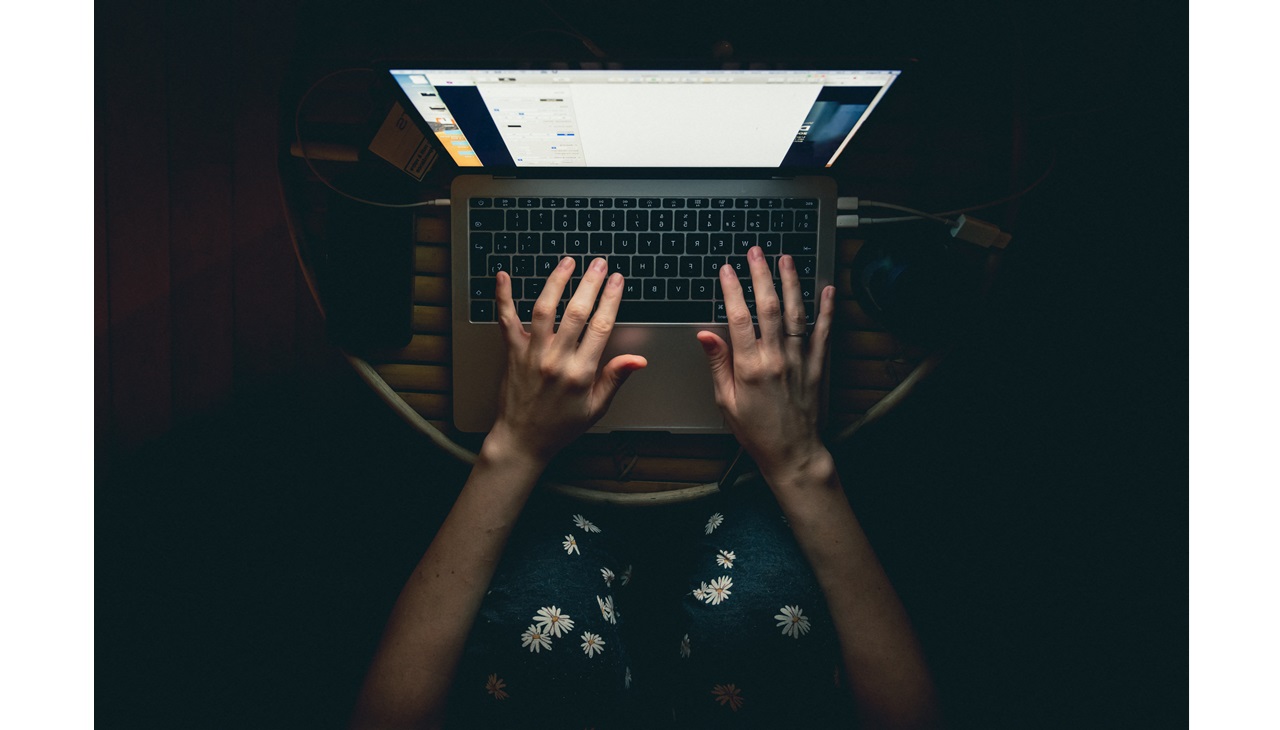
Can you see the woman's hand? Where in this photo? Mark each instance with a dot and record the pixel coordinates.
(769, 387)
(554, 387)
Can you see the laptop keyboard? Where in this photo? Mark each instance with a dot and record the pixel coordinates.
(669, 249)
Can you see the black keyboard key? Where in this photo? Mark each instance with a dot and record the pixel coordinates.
(745, 203)
(624, 202)
(483, 288)
(566, 220)
(482, 202)
(601, 243)
(702, 289)
(540, 220)
(522, 266)
(782, 220)
(613, 220)
(637, 220)
(504, 202)
(480, 246)
(498, 263)
(553, 202)
(700, 203)
(642, 266)
(660, 220)
(516, 288)
(709, 220)
(650, 203)
(697, 243)
(673, 243)
(624, 243)
(757, 220)
(654, 289)
(631, 289)
(602, 202)
(770, 243)
(806, 220)
(721, 244)
(718, 312)
(620, 264)
(808, 290)
(678, 289)
(802, 203)
(577, 202)
(806, 266)
(668, 266)
(552, 242)
(649, 243)
(529, 202)
(588, 220)
(740, 266)
(771, 203)
(533, 287)
(721, 203)
(808, 312)
(504, 242)
(544, 265)
(482, 311)
(524, 310)
(665, 312)
(743, 242)
(711, 266)
(691, 266)
(530, 243)
(487, 220)
(734, 221)
(686, 220)
(800, 244)
(576, 243)
(673, 202)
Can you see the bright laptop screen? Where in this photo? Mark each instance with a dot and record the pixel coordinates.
(615, 119)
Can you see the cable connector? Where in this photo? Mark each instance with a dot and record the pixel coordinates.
(846, 221)
(979, 232)
(847, 202)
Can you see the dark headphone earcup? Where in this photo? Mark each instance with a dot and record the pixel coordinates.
(919, 287)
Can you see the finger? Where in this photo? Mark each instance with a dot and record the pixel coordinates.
(612, 376)
(601, 324)
(768, 308)
(509, 322)
(544, 309)
(821, 333)
(578, 309)
(741, 332)
(720, 359)
(793, 317)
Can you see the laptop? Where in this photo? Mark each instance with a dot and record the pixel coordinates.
(668, 174)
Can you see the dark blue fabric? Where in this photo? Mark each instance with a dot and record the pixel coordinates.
(740, 669)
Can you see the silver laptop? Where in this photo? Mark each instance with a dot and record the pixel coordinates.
(667, 174)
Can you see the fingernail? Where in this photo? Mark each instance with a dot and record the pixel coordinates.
(754, 253)
(598, 265)
(787, 262)
(615, 280)
(566, 262)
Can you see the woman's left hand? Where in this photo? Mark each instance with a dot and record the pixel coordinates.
(554, 388)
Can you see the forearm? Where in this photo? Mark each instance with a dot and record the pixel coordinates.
(412, 671)
(884, 662)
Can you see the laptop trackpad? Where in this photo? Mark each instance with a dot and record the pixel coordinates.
(674, 393)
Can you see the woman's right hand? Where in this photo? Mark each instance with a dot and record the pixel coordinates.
(769, 387)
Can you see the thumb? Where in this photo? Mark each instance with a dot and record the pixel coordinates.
(720, 358)
(614, 374)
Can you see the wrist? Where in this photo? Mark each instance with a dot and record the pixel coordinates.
(501, 450)
(808, 469)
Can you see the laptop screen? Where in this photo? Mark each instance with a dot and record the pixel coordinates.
(639, 118)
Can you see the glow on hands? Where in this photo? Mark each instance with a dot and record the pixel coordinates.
(769, 387)
(554, 387)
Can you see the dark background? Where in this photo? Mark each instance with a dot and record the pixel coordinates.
(258, 509)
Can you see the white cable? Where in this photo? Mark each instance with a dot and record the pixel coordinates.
(905, 209)
(302, 147)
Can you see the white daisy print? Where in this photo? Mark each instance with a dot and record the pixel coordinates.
(534, 638)
(608, 576)
(552, 622)
(716, 520)
(626, 575)
(584, 524)
(495, 687)
(592, 644)
(606, 609)
(719, 590)
(700, 593)
(684, 647)
(725, 558)
(570, 545)
(792, 621)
